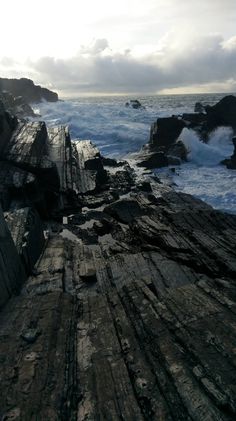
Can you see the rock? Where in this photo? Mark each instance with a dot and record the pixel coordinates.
(134, 103)
(27, 89)
(16, 106)
(88, 169)
(222, 114)
(129, 311)
(165, 132)
(199, 107)
(110, 162)
(178, 150)
(25, 226)
(153, 160)
(194, 120)
(12, 274)
(173, 160)
(8, 124)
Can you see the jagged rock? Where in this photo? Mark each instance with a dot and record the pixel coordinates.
(27, 89)
(165, 131)
(153, 160)
(178, 150)
(110, 162)
(194, 120)
(25, 226)
(199, 107)
(222, 114)
(88, 167)
(8, 123)
(121, 181)
(134, 103)
(130, 310)
(16, 106)
(28, 149)
(12, 274)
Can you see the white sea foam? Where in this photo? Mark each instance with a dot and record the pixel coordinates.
(220, 146)
(118, 130)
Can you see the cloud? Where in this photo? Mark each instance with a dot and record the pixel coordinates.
(176, 62)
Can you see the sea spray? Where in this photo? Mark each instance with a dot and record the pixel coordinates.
(220, 146)
(118, 130)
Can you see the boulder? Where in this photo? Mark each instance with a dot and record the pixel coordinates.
(166, 131)
(153, 160)
(134, 103)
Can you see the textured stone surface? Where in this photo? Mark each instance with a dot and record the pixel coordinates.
(12, 274)
(129, 312)
(26, 230)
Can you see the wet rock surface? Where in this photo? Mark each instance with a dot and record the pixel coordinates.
(128, 309)
(165, 146)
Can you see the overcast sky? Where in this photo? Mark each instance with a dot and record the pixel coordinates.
(126, 46)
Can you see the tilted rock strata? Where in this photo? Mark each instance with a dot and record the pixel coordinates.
(129, 312)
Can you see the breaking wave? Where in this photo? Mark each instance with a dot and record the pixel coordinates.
(220, 146)
(118, 130)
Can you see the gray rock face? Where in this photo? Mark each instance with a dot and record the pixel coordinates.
(16, 105)
(128, 312)
(26, 230)
(27, 89)
(12, 274)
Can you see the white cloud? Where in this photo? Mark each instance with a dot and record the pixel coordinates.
(203, 61)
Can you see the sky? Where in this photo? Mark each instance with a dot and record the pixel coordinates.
(121, 47)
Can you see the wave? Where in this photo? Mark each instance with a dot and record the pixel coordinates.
(219, 147)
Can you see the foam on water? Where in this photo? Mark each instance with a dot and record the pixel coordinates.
(219, 146)
(118, 130)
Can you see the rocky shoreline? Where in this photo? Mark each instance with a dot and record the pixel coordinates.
(165, 146)
(118, 294)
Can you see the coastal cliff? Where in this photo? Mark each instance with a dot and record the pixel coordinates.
(28, 90)
(126, 289)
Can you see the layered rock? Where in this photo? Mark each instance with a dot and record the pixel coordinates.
(12, 274)
(129, 311)
(28, 90)
(16, 105)
(165, 146)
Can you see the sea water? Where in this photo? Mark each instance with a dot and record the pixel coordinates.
(119, 130)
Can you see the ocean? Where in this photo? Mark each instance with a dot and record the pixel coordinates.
(119, 131)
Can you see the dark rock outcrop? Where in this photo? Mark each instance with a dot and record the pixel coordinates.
(12, 274)
(134, 103)
(129, 310)
(152, 159)
(165, 132)
(28, 90)
(222, 114)
(16, 105)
